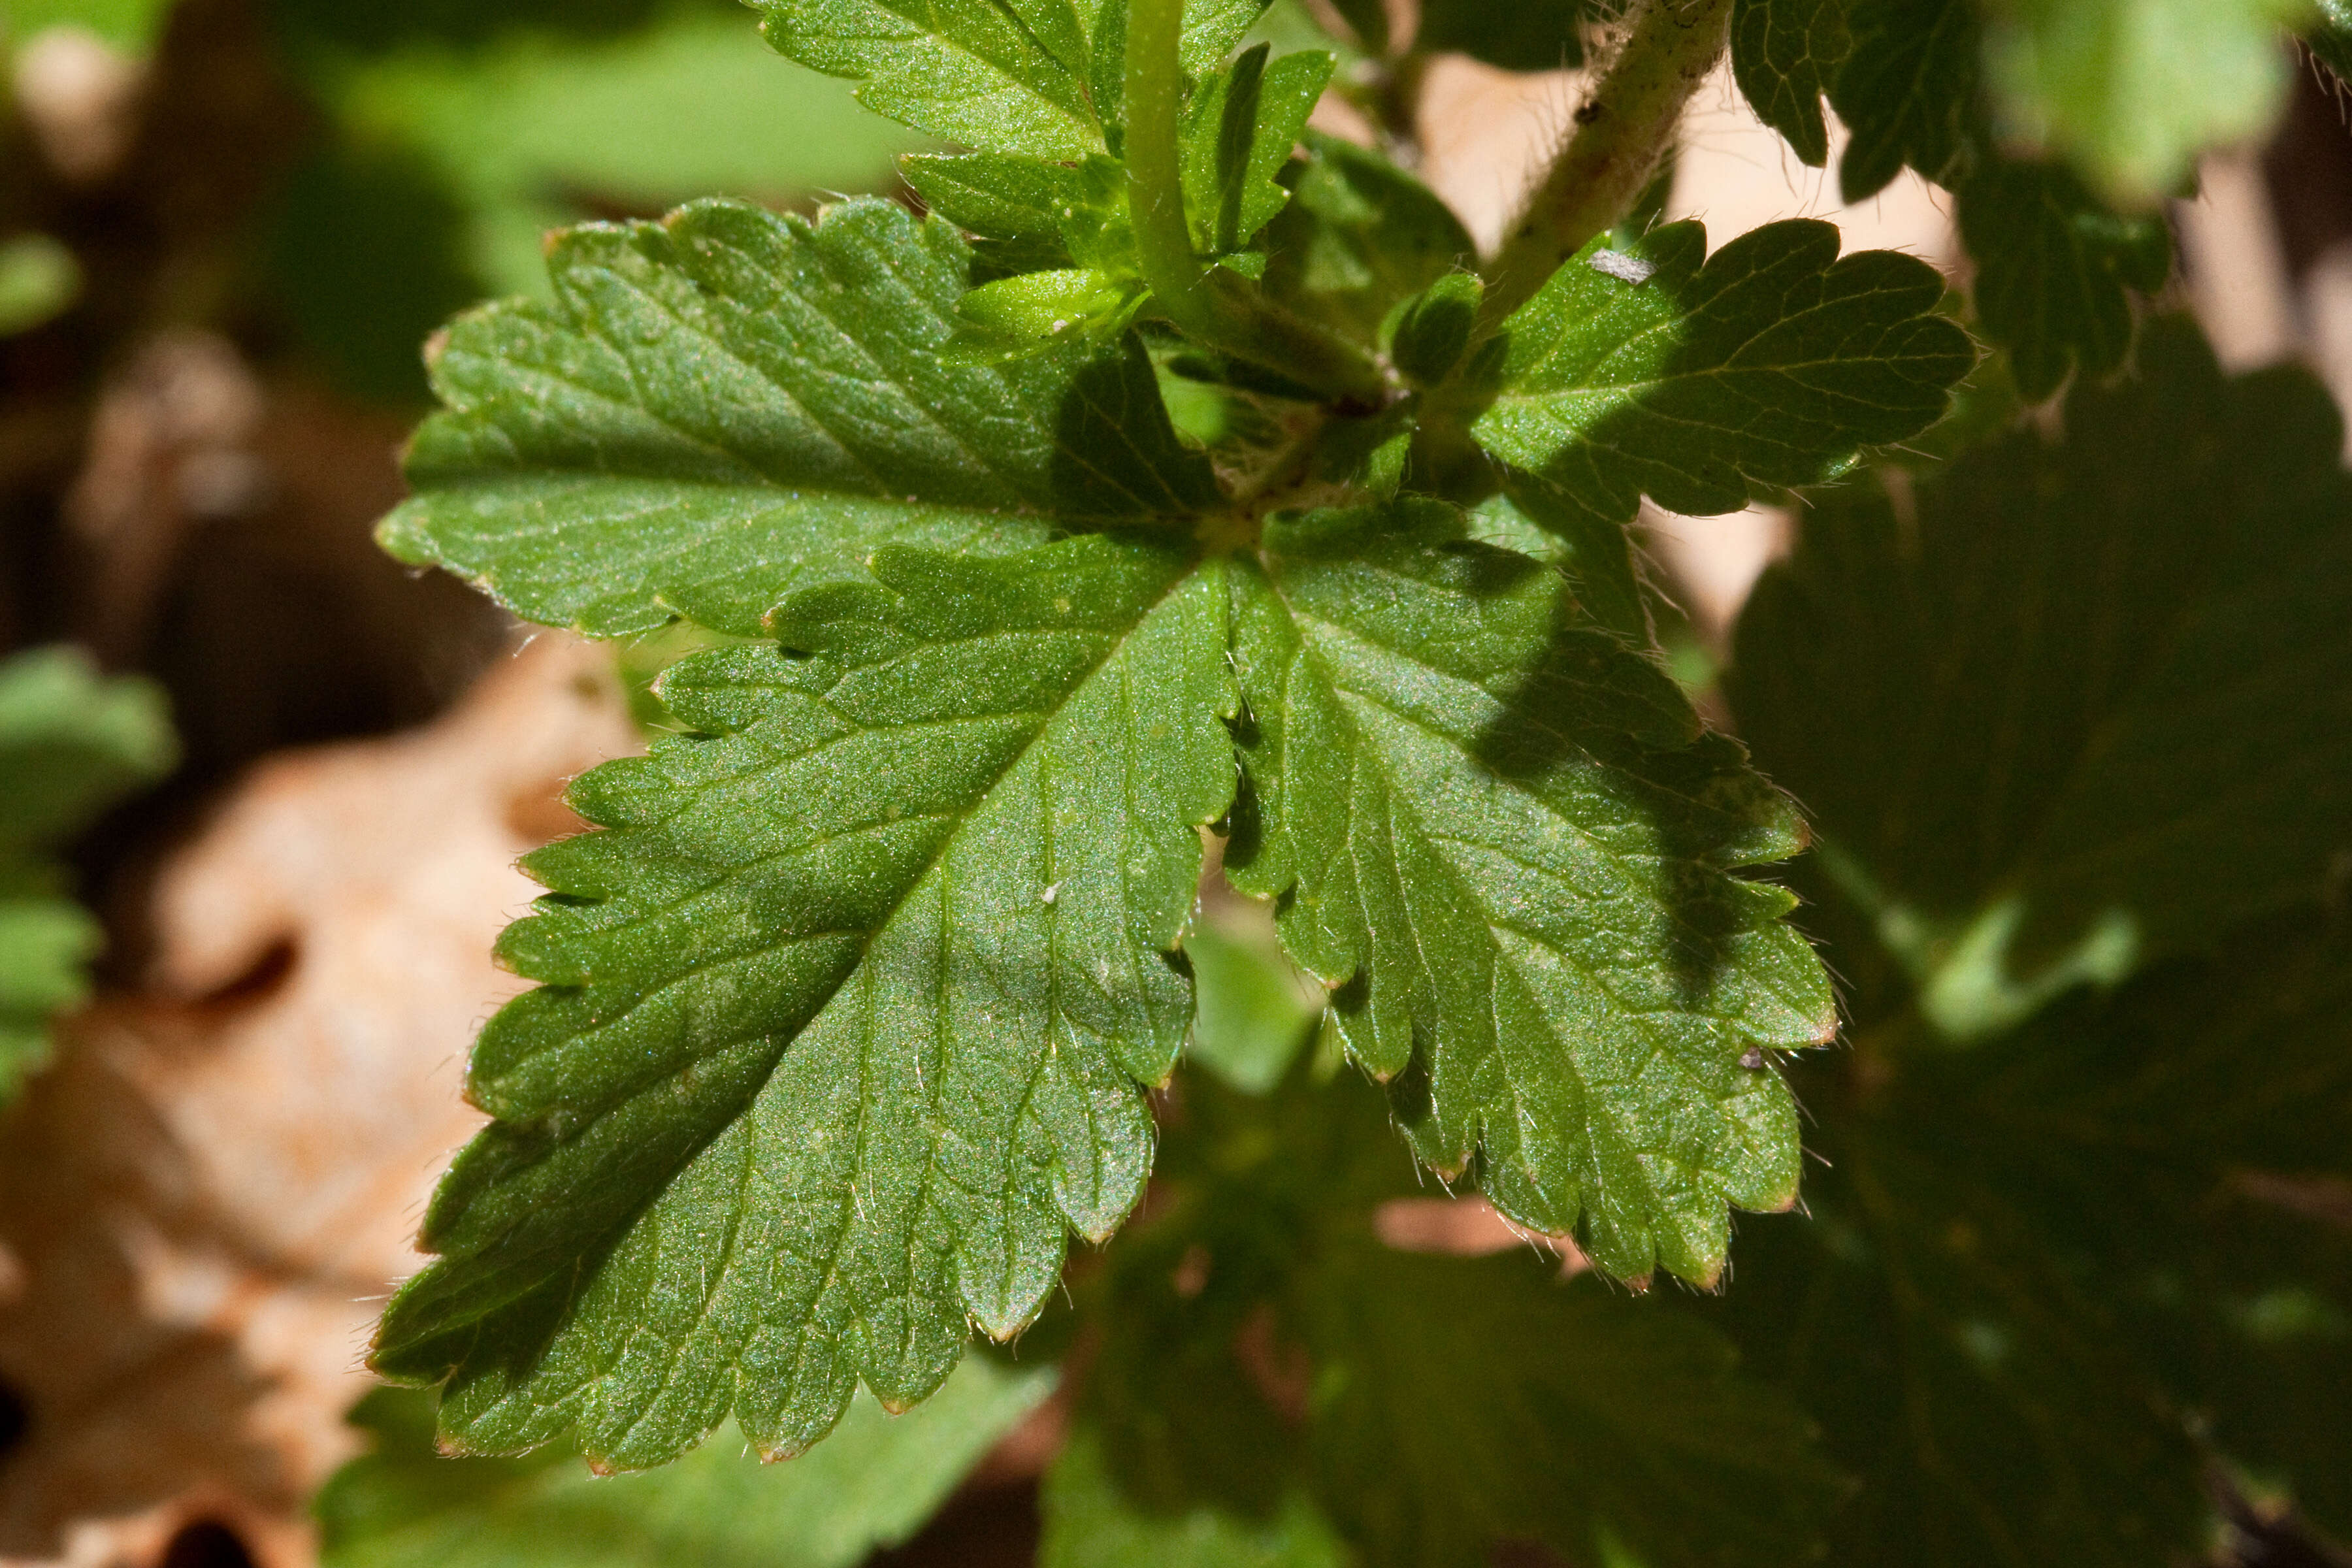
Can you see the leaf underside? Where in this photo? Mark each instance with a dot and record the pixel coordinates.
(1458, 1403)
(2052, 819)
(2073, 710)
(2058, 251)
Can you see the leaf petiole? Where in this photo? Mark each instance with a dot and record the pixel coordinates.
(1211, 306)
(1621, 131)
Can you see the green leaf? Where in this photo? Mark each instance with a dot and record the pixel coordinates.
(128, 25)
(1908, 91)
(1536, 518)
(1784, 55)
(1004, 77)
(729, 403)
(1369, 20)
(368, 252)
(2052, 260)
(72, 743)
(844, 1017)
(2068, 706)
(1543, 37)
(2034, 1267)
(1958, 1367)
(1089, 1521)
(1359, 235)
(45, 946)
(1252, 1011)
(1014, 208)
(2218, 1088)
(406, 1506)
(2266, 1345)
(1034, 77)
(2129, 91)
(2132, 90)
(1501, 835)
(1772, 364)
(1215, 29)
(1464, 1401)
(1433, 329)
(2052, 265)
(1265, 1366)
(44, 942)
(1237, 136)
(38, 278)
(1035, 309)
(994, 195)
(2329, 38)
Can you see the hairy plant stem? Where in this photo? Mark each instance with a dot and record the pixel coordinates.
(1155, 187)
(1621, 131)
(1208, 304)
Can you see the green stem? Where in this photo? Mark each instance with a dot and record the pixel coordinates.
(1211, 306)
(1621, 131)
(1155, 182)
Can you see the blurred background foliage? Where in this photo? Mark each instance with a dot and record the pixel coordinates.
(227, 228)
(454, 134)
(420, 150)
(225, 233)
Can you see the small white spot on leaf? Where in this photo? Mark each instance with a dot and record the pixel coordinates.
(1621, 266)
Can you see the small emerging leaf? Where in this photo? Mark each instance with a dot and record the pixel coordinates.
(1024, 313)
(1237, 136)
(1433, 329)
(1358, 235)
(1014, 207)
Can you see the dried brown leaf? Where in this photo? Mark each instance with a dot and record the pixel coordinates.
(202, 1206)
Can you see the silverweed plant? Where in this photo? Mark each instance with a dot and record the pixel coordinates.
(1164, 479)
